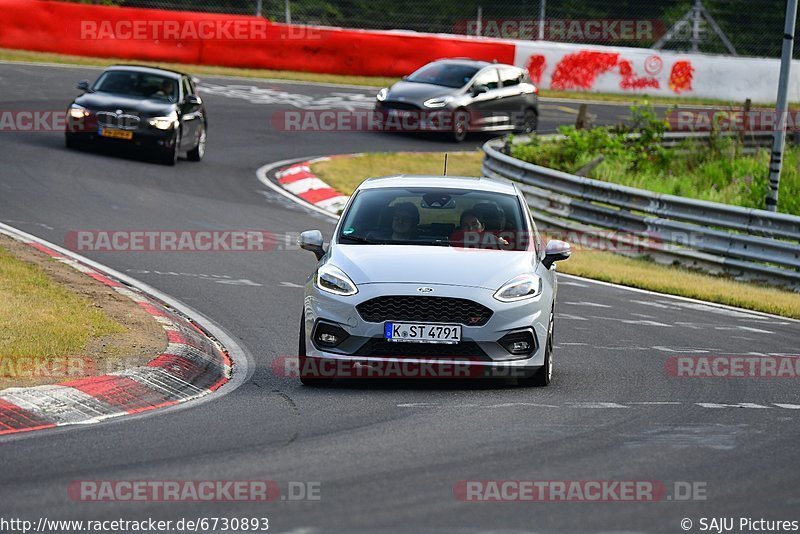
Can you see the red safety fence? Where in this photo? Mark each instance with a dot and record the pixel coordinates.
(226, 40)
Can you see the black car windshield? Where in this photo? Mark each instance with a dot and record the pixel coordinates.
(435, 217)
(446, 74)
(137, 84)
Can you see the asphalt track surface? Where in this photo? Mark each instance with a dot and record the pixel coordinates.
(387, 455)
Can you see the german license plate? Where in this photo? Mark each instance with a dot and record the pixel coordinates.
(115, 134)
(422, 333)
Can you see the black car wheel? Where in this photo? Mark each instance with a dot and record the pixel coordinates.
(170, 155)
(71, 141)
(530, 121)
(543, 376)
(197, 153)
(460, 125)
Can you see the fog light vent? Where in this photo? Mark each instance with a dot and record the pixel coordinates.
(329, 335)
(518, 343)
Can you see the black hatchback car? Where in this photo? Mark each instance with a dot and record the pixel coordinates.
(156, 110)
(462, 96)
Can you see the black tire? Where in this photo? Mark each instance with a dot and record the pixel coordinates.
(170, 156)
(71, 141)
(197, 153)
(460, 125)
(543, 376)
(314, 382)
(530, 122)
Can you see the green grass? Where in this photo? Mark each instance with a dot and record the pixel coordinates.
(344, 174)
(41, 318)
(715, 174)
(366, 81)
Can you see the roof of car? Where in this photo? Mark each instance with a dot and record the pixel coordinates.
(440, 182)
(148, 70)
(472, 62)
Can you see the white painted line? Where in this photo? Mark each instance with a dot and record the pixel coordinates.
(569, 317)
(677, 298)
(589, 304)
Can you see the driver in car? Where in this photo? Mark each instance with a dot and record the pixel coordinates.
(471, 233)
(405, 219)
(165, 90)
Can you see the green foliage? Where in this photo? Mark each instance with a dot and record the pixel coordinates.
(712, 169)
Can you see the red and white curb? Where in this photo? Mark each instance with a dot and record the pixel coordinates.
(193, 365)
(301, 182)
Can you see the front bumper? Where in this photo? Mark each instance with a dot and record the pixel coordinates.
(479, 351)
(143, 137)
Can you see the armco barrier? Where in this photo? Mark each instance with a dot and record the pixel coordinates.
(748, 243)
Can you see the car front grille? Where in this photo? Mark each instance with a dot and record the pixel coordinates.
(394, 104)
(376, 347)
(122, 121)
(424, 309)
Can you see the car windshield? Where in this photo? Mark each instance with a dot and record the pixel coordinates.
(446, 74)
(137, 84)
(435, 217)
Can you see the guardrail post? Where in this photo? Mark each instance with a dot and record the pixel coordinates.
(582, 121)
(745, 125)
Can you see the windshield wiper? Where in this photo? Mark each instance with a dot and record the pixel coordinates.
(359, 239)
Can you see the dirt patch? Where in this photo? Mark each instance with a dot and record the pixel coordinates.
(142, 340)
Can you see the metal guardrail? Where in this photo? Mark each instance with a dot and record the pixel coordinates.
(747, 243)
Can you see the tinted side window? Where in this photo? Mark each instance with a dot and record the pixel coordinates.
(511, 77)
(187, 90)
(488, 78)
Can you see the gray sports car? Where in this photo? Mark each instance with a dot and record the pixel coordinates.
(462, 96)
(428, 269)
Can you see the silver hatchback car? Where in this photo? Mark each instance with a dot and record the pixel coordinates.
(431, 276)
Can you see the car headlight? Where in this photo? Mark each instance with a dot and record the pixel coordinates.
(438, 102)
(382, 94)
(333, 280)
(522, 287)
(164, 123)
(78, 112)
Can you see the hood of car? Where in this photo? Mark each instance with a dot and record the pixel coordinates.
(410, 264)
(113, 102)
(418, 92)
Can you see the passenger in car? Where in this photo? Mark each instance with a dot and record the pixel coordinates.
(472, 233)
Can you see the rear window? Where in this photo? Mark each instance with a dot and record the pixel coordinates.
(446, 74)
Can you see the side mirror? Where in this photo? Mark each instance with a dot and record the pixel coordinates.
(556, 251)
(83, 85)
(193, 100)
(478, 90)
(312, 240)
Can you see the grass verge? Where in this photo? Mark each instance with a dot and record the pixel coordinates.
(344, 174)
(366, 81)
(42, 318)
(59, 324)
